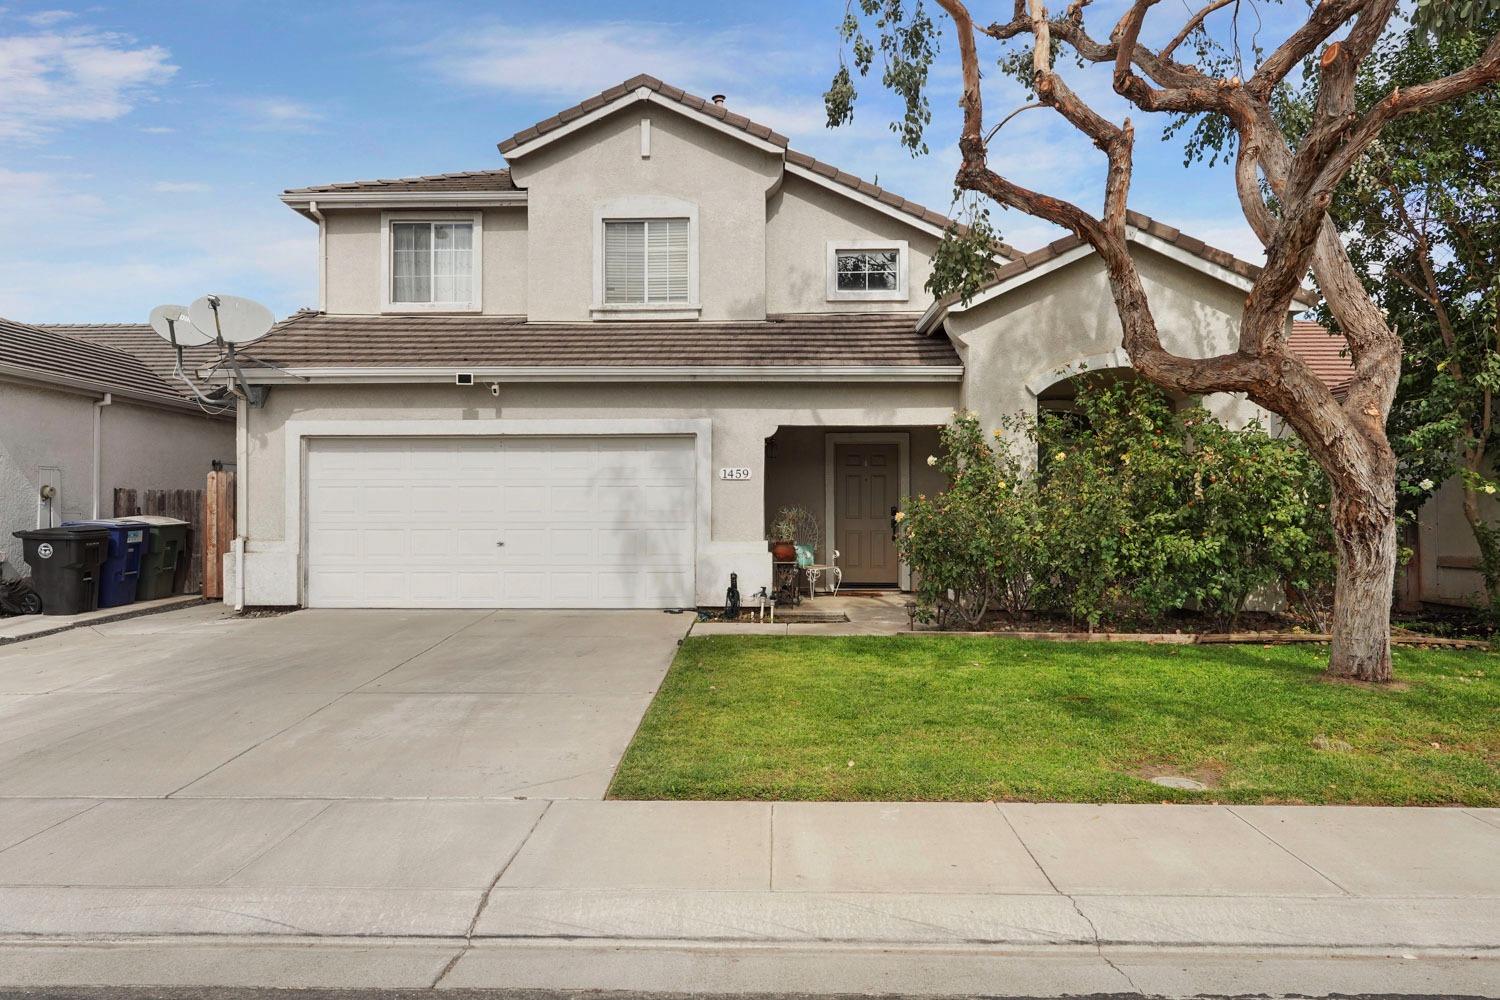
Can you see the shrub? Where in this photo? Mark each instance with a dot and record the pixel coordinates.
(1130, 510)
(973, 546)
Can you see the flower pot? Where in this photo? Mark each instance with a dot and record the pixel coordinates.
(784, 551)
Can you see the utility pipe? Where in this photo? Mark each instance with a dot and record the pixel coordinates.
(99, 405)
(313, 210)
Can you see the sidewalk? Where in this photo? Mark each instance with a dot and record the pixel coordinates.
(17, 627)
(935, 898)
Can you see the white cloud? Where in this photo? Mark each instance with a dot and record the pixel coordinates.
(180, 187)
(32, 196)
(573, 61)
(50, 79)
(48, 18)
(279, 114)
(158, 130)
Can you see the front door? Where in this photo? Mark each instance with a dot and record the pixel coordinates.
(869, 488)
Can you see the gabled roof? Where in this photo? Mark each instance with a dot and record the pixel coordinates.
(1140, 228)
(470, 180)
(49, 356)
(622, 91)
(140, 340)
(797, 163)
(806, 345)
(1325, 352)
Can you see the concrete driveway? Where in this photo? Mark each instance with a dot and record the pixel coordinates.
(330, 704)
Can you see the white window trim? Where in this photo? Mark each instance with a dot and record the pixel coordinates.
(836, 295)
(476, 276)
(645, 207)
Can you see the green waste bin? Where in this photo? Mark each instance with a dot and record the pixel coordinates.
(166, 557)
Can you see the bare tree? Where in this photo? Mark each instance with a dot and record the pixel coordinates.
(1284, 192)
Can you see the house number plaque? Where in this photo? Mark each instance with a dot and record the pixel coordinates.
(734, 474)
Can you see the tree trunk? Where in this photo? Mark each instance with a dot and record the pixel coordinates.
(1488, 542)
(1365, 540)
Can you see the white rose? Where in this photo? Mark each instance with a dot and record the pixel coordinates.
(1489, 487)
(1060, 456)
(932, 460)
(899, 516)
(1425, 484)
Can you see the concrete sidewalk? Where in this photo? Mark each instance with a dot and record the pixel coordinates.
(734, 897)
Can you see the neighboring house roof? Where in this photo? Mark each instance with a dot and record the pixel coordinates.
(43, 355)
(470, 180)
(1141, 228)
(143, 342)
(872, 343)
(1326, 353)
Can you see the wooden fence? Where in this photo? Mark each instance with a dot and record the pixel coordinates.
(185, 505)
(209, 513)
(218, 530)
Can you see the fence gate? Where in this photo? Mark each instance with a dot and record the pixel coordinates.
(218, 530)
(185, 505)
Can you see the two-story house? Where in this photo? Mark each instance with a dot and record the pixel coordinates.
(589, 379)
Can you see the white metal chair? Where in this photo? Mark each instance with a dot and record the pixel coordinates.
(835, 575)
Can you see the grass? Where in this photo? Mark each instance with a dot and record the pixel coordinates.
(959, 718)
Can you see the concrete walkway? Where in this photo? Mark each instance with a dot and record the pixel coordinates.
(338, 800)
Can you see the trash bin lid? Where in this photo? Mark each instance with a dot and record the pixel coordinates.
(70, 530)
(154, 519)
(103, 522)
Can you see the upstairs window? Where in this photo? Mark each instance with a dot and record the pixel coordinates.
(647, 262)
(432, 264)
(866, 269)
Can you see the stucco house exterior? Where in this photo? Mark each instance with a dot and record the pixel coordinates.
(87, 409)
(590, 378)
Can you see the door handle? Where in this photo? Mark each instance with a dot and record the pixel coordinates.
(895, 524)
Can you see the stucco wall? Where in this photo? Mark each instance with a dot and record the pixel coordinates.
(352, 237)
(800, 220)
(743, 416)
(1068, 315)
(723, 176)
(142, 448)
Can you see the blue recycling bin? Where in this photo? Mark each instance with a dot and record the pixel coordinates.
(121, 572)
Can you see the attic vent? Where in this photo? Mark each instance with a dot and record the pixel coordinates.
(718, 98)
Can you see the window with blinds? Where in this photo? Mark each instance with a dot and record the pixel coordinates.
(646, 261)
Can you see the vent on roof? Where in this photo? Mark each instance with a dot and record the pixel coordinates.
(717, 98)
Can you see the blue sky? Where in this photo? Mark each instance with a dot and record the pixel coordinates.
(143, 144)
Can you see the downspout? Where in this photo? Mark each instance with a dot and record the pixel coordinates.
(312, 210)
(241, 498)
(99, 405)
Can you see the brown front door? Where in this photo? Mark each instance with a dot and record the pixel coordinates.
(869, 486)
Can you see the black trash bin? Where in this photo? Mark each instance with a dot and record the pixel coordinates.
(65, 566)
(166, 557)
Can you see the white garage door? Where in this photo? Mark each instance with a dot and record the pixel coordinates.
(500, 523)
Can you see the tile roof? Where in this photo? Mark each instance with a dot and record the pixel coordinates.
(1324, 352)
(315, 340)
(1145, 224)
(50, 356)
(142, 341)
(723, 114)
(471, 180)
(619, 90)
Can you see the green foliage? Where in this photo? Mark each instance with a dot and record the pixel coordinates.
(908, 40)
(975, 544)
(965, 261)
(1134, 509)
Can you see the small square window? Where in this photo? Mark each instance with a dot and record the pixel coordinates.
(867, 272)
(432, 264)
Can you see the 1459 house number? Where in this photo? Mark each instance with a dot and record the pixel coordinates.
(734, 474)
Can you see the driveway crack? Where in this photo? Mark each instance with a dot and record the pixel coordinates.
(484, 900)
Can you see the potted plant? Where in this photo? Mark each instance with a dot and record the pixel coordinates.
(792, 526)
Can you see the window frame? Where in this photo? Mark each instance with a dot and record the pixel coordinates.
(835, 294)
(645, 208)
(387, 263)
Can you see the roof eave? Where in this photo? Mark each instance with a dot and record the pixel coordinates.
(302, 202)
(604, 373)
(513, 149)
(91, 387)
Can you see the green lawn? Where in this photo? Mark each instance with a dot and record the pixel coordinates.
(970, 719)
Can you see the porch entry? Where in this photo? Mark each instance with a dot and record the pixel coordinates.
(867, 494)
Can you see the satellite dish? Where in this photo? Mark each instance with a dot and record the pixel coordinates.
(230, 318)
(171, 323)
